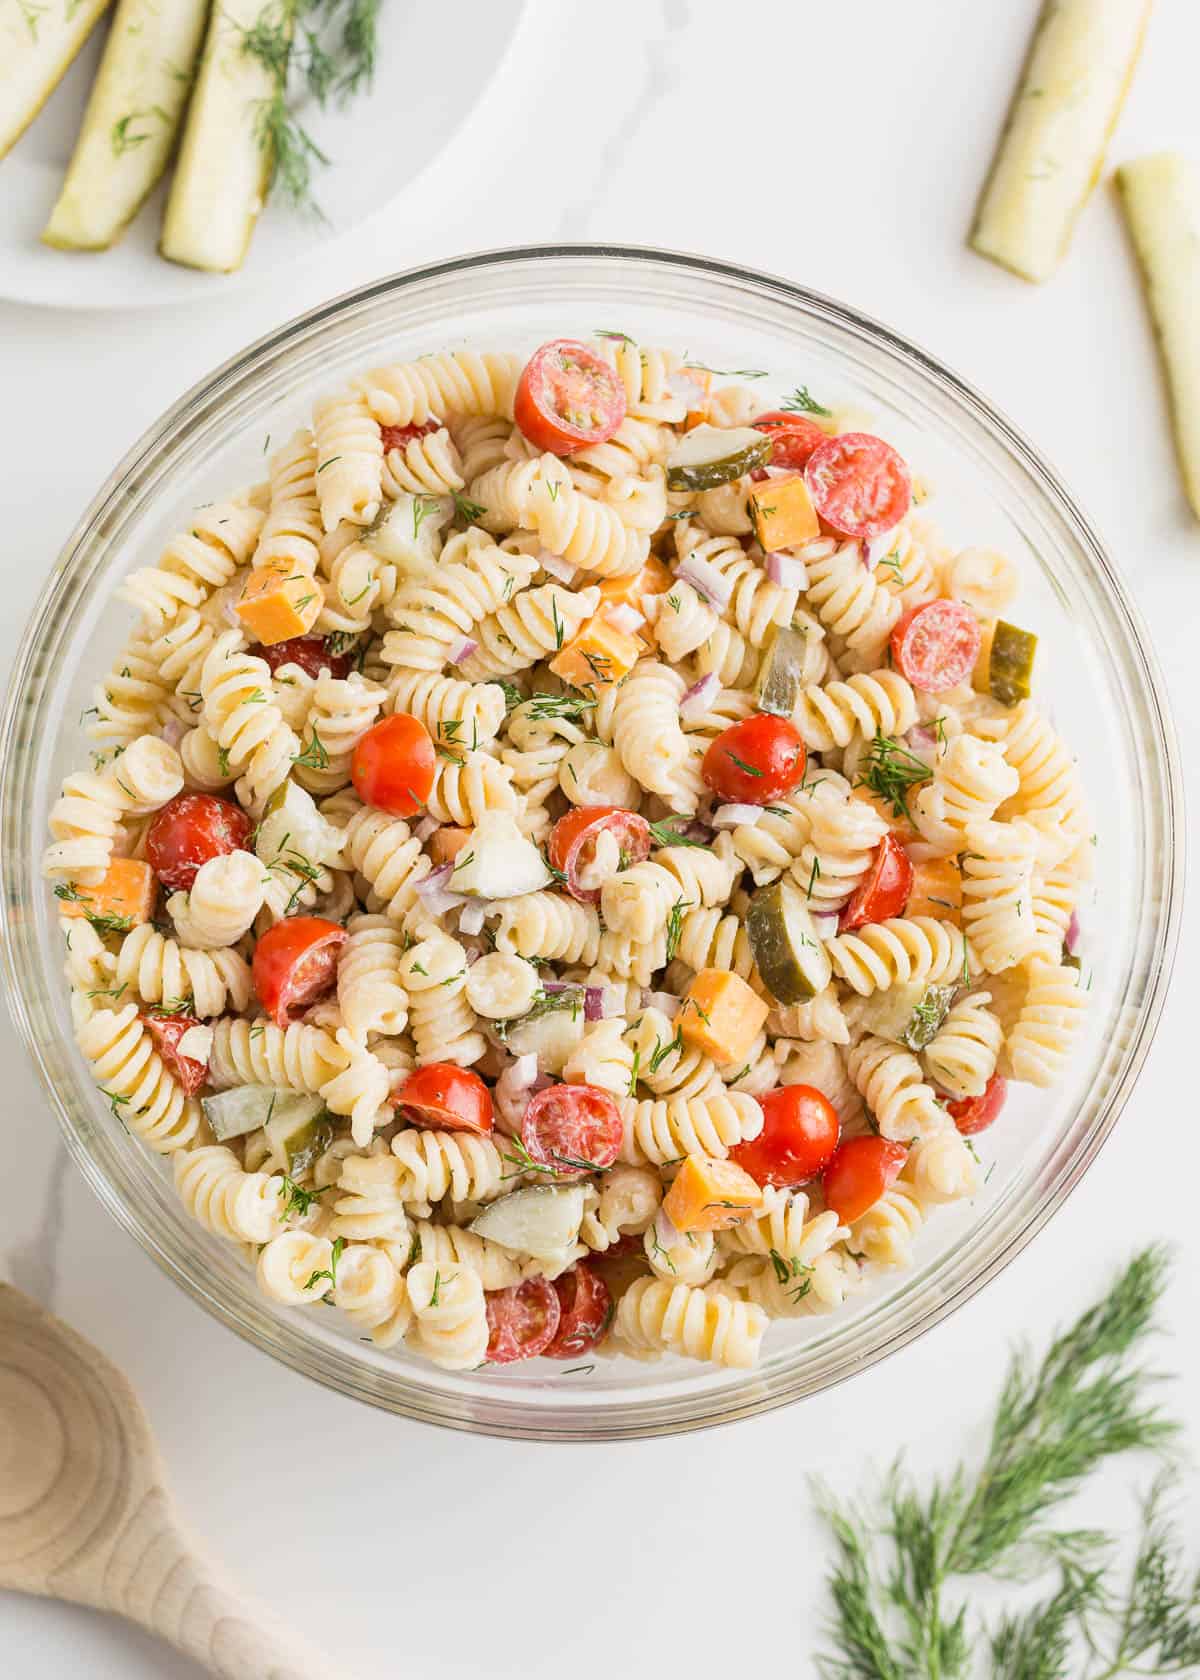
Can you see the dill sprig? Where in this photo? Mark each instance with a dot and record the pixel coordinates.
(889, 770)
(1055, 1422)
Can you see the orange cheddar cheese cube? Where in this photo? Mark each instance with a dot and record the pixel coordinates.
(125, 896)
(278, 602)
(599, 655)
(653, 579)
(936, 890)
(721, 1015)
(782, 513)
(710, 1195)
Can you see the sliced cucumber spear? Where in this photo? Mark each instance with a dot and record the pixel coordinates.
(791, 959)
(1161, 197)
(131, 121)
(1052, 150)
(225, 161)
(37, 45)
(711, 455)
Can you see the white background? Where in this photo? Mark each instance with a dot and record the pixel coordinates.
(842, 146)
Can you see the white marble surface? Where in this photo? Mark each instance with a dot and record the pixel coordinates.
(841, 145)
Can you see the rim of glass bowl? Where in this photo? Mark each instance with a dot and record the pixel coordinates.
(909, 1312)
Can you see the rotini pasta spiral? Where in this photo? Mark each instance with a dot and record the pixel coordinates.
(666, 1065)
(359, 1089)
(132, 1076)
(369, 990)
(997, 891)
(534, 623)
(638, 900)
(602, 1058)
(240, 1206)
(710, 1124)
(225, 897)
(789, 1227)
(889, 1080)
(624, 1204)
(970, 779)
(349, 451)
(467, 785)
(369, 1206)
(373, 1294)
(450, 1323)
(901, 950)
(247, 725)
(460, 383)
(296, 1268)
(941, 1168)
(462, 715)
(647, 734)
(850, 601)
(195, 562)
(437, 1164)
(298, 1057)
(158, 970)
(961, 1057)
(1050, 1017)
(427, 465)
(841, 843)
(340, 713)
(885, 1232)
(453, 1245)
(704, 1324)
(880, 703)
(442, 1022)
(385, 852)
(547, 926)
(1049, 791)
(134, 698)
(434, 616)
(984, 579)
(291, 533)
(86, 819)
(709, 939)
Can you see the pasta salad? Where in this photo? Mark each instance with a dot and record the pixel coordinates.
(570, 861)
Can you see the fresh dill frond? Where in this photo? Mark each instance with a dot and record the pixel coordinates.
(890, 771)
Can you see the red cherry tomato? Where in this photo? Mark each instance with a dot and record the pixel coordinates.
(522, 1320)
(295, 963)
(797, 1141)
(860, 1172)
(568, 398)
(975, 1114)
(573, 1129)
(794, 437)
(311, 653)
(756, 761)
(573, 843)
(166, 1031)
(859, 485)
(883, 890)
(446, 1098)
(935, 645)
(188, 831)
(395, 437)
(585, 1309)
(394, 764)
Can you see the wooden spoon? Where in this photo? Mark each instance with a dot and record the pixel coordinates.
(85, 1515)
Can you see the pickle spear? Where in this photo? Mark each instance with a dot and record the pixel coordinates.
(1010, 663)
(791, 959)
(781, 674)
(1161, 197)
(226, 159)
(709, 456)
(131, 121)
(37, 45)
(1052, 151)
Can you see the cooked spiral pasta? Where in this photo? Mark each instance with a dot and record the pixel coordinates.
(997, 891)
(349, 451)
(236, 688)
(1050, 1017)
(709, 939)
(756, 605)
(358, 1089)
(602, 1058)
(885, 1232)
(195, 562)
(442, 1022)
(889, 1079)
(880, 703)
(460, 382)
(298, 1057)
(589, 773)
(985, 580)
(970, 779)
(296, 1268)
(467, 785)
(369, 991)
(482, 442)
(547, 926)
(901, 950)
(437, 1164)
(961, 1057)
(646, 729)
(222, 902)
(425, 465)
(291, 532)
(624, 1205)
(821, 1018)
(789, 1227)
(941, 1168)
(1049, 791)
(340, 713)
(690, 1257)
(850, 601)
(435, 616)
(460, 714)
(639, 899)
(386, 854)
(666, 1065)
(86, 819)
(205, 765)
(240, 1206)
(134, 698)
(705, 1324)
(838, 852)
(709, 1124)
(534, 623)
(369, 1206)
(372, 1293)
(450, 1323)
(131, 1074)
(158, 970)
(454, 1245)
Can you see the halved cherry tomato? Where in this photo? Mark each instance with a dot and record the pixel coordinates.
(311, 653)
(883, 890)
(446, 1098)
(756, 761)
(395, 437)
(860, 1172)
(794, 436)
(295, 963)
(573, 843)
(572, 1129)
(394, 764)
(191, 829)
(522, 1320)
(585, 1308)
(859, 485)
(568, 398)
(935, 645)
(975, 1114)
(797, 1141)
(166, 1031)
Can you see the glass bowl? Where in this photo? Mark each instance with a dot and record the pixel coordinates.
(991, 488)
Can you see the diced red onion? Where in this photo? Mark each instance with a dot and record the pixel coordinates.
(173, 731)
(736, 816)
(557, 566)
(700, 697)
(665, 1002)
(825, 924)
(706, 580)
(463, 651)
(514, 1087)
(697, 830)
(786, 570)
(666, 1233)
(432, 891)
(1071, 940)
(593, 1003)
(426, 827)
(471, 919)
(624, 617)
(554, 988)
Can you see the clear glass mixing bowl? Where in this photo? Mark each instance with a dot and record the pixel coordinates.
(1097, 672)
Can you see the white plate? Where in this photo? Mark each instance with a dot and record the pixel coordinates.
(378, 145)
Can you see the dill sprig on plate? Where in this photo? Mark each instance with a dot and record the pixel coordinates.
(322, 48)
(1054, 1424)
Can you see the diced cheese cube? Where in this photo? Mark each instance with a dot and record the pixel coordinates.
(936, 890)
(721, 1015)
(279, 602)
(710, 1195)
(126, 894)
(599, 655)
(782, 513)
(653, 579)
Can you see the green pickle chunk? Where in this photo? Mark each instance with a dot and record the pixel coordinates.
(1010, 663)
(793, 962)
(781, 674)
(713, 455)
